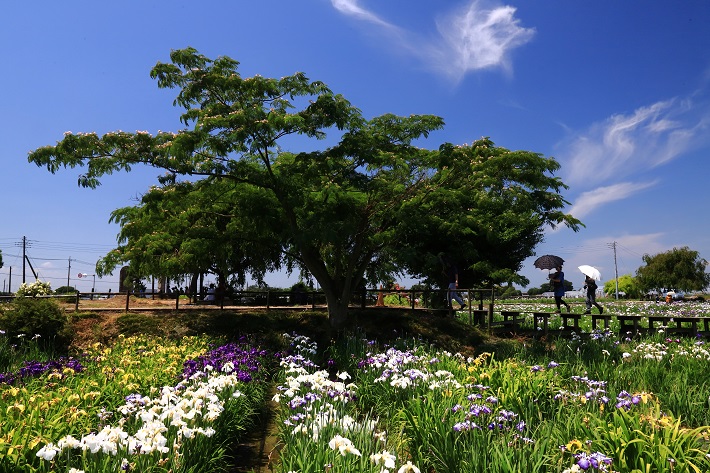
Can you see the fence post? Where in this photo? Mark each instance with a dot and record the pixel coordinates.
(177, 300)
(128, 298)
(76, 305)
(490, 307)
(268, 298)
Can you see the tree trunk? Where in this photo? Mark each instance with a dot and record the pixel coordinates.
(338, 305)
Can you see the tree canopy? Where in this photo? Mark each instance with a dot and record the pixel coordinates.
(625, 283)
(679, 268)
(369, 206)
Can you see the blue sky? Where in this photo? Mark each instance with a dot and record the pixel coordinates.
(617, 92)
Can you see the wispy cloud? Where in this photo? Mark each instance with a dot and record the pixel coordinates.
(353, 8)
(598, 252)
(626, 145)
(479, 35)
(589, 201)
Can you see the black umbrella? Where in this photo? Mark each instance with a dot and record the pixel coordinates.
(548, 262)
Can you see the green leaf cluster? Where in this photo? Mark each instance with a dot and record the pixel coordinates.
(241, 195)
(679, 268)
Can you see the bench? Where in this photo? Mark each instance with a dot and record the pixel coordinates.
(511, 320)
(478, 316)
(543, 317)
(691, 327)
(629, 324)
(575, 321)
(597, 317)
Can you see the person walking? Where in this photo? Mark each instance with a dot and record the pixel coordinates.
(452, 274)
(558, 285)
(591, 286)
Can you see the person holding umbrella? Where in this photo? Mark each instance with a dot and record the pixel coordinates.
(591, 286)
(591, 275)
(558, 285)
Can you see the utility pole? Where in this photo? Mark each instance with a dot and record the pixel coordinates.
(616, 272)
(69, 271)
(24, 257)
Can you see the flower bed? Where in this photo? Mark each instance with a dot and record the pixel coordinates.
(416, 408)
(140, 405)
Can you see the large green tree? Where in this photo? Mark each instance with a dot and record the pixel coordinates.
(192, 228)
(679, 268)
(626, 283)
(368, 206)
(487, 212)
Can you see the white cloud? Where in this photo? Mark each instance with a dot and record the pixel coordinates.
(353, 8)
(629, 248)
(479, 37)
(589, 201)
(627, 145)
(473, 37)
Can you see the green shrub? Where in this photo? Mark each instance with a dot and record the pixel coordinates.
(138, 324)
(65, 290)
(41, 319)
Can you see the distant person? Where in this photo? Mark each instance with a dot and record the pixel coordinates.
(210, 293)
(452, 275)
(591, 286)
(558, 287)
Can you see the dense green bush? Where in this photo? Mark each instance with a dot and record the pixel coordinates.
(65, 290)
(41, 319)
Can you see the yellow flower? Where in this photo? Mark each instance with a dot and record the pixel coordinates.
(76, 413)
(17, 407)
(574, 445)
(92, 395)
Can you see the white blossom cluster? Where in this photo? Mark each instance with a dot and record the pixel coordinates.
(653, 351)
(316, 402)
(178, 413)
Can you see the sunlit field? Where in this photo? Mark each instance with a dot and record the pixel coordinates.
(598, 402)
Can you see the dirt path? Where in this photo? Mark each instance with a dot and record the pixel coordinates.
(258, 452)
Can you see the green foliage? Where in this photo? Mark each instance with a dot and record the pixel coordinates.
(547, 287)
(138, 324)
(679, 268)
(652, 442)
(368, 207)
(65, 290)
(627, 284)
(37, 318)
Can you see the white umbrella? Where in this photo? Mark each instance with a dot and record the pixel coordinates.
(590, 271)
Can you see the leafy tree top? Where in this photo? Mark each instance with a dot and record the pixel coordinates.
(369, 206)
(679, 268)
